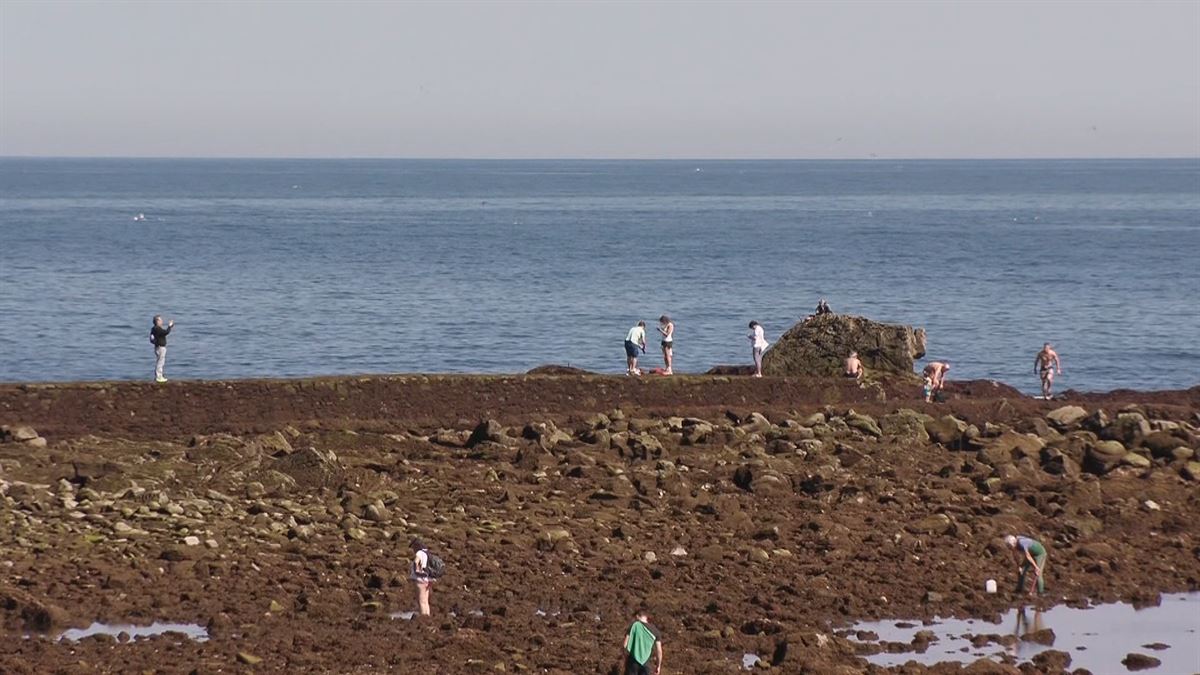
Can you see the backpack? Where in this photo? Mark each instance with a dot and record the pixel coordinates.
(435, 567)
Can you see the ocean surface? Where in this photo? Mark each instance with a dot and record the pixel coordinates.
(305, 267)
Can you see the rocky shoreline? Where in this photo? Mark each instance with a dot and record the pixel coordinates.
(758, 516)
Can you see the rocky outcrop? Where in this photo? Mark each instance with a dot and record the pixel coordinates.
(21, 434)
(819, 346)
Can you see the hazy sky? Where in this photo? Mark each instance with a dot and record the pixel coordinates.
(600, 79)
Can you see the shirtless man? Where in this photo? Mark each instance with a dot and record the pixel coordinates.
(936, 372)
(854, 367)
(1045, 363)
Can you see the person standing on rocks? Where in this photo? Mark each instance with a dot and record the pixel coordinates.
(854, 367)
(158, 337)
(1030, 554)
(419, 574)
(642, 640)
(666, 328)
(936, 372)
(758, 346)
(635, 339)
(1045, 363)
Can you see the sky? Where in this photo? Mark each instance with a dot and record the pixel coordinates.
(600, 79)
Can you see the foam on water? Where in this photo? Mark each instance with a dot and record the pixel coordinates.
(1097, 638)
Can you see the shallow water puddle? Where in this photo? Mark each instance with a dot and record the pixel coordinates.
(1097, 638)
(193, 631)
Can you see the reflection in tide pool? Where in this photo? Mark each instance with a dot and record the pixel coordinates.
(193, 631)
(1097, 638)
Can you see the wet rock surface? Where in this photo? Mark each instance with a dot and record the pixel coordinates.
(278, 514)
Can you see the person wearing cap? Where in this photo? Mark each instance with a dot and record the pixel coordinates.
(1029, 554)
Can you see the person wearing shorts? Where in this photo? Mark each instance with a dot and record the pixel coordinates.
(635, 343)
(666, 328)
(1045, 363)
(420, 577)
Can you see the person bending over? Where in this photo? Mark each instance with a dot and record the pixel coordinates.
(936, 372)
(1030, 555)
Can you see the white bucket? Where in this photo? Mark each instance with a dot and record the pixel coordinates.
(990, 586)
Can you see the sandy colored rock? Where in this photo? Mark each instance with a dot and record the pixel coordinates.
(17, 433)
(1102, 457)
(1135, 460)
(1067, 416)
(1191, 471)
(947, 430)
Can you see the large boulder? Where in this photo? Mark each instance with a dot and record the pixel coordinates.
(820, 345)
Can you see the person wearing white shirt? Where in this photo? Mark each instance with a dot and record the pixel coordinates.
(635, 339)
(759, 344)
(666, 328)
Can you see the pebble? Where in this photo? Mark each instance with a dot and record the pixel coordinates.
(191, 541)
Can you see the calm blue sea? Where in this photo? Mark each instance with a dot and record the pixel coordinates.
(302, 267)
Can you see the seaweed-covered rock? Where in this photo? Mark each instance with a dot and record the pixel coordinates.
(819, 346)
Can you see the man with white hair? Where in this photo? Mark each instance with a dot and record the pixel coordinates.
(1029, 554)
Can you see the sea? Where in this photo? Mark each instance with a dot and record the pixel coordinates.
(282, 268)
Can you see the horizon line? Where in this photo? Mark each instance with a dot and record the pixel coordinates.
(597, 159)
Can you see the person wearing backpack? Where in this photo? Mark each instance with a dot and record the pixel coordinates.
(425, 570)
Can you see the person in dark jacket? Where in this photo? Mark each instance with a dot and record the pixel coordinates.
(158, 337)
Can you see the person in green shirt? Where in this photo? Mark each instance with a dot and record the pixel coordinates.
(1030, 554)
(641, 640)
